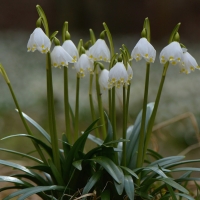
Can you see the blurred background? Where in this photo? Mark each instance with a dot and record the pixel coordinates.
(125, 20)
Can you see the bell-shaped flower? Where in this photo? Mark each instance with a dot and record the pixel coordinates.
(172, 53)
(104, 79)
(71, 49)
(118, 75)
(130, 73)
(143, 49)
(84, 64)
(99, 51)
(188, 63)
(59, 57)
(38, 40)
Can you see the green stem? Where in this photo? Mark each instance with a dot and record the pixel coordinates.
(110, 104)
(142, 128)
(25, 124)
(51, 114)
(124, 126)
(101, 111)
(92, 104)
(113, 117)
(153, 115)
(77, 108)
(66, 103)
(127, 100)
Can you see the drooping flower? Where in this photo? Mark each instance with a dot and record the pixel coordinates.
(143, 49)
(39, 41)
(172, 53)
(71, 49)
(188, 63)
(99, 51)
(104, 79)
(83, 64)
(59, 57)
(118, 75)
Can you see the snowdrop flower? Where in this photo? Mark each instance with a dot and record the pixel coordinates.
(130, 73)
(172, 53)
(59, 57)
(118, 75)
(83, 64)
(104, 79)
(188, 63)
(99, 51)
(38, 40)
(143, 49)
(71, 49)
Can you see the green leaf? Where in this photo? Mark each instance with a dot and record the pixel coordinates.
(16, 166)
(92, 181)
(14, 180)
(56, 173)
(154, 154)
(110, 167)
(37, 126)
(174, 184)
(53, 35)
(33, 190)
(22, 154)
(94, 139)
(39, 142)
(77, 164)
(131, 172)
(109, 136)
(129, 186)
(120, 187)
(105, 195)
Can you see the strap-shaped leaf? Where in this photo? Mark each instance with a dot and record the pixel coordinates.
(110, 167)
(120, 187)
(129, 186)
(109, 136)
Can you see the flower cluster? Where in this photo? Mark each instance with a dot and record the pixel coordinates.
(118, 75)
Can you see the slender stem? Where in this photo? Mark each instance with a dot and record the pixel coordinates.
(113, 114)
(101, 111)
(51, 114)
(92, 104)
(25, 124)
(77, 107)
(127, 100)
(142, 128)
(153, 115)
(124, 126)
(66, 104)
(110, 104)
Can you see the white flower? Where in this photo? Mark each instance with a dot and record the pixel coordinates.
(104, 79)
(38, 40)
(71, 49)
(143, 49)
(118, 75)
(59, 57)
(83, 64)
(188, 63)
(130, 73)
(99, 51)
(172, 53)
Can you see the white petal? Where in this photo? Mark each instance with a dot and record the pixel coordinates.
(103, 79)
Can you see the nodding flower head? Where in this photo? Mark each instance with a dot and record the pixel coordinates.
(172, 53)
(104, 79)
(118, 75)
(71, 49)
(130, 74)
(39, 41)
(59, 57)
(83, 64)
(143, 49)
(188, 63)
(99, 51)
